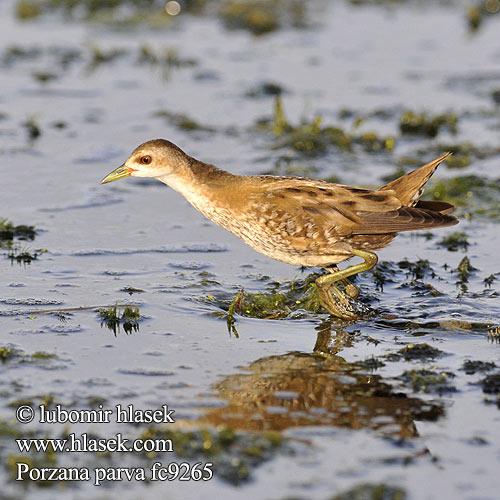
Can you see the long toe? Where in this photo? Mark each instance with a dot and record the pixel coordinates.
(338, 306)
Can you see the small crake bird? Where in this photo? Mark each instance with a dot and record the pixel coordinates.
(296, 220)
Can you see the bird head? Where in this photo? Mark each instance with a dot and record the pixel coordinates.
(156, 158)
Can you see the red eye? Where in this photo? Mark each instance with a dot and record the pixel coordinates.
(145, 160)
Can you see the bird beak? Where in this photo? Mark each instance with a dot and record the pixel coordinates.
(119, 173)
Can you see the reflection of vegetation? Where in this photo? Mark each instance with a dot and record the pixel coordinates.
(234, 455)
(21, 255)
(427, 125)
(298, 389)
(312, 138)
(129, 319)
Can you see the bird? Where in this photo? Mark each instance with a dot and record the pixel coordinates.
(298, 220)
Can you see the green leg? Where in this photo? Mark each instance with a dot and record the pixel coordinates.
(340, 305)
(350, 288)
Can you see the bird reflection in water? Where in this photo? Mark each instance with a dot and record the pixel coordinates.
(320, 388)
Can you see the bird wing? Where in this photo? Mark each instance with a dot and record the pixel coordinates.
(305, 208)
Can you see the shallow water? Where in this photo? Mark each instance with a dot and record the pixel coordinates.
(334, 390)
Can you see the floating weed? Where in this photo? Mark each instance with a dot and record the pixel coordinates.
(129, 318)
(256, 16)
(412, 123)
(371, 491)
(265, 89)
(312, 137)
(481, 10)
(417, 270)
(184, 122)
(131, 290)
(9, 232)
(100, 56)
(472, 195)
(33, 128)
(428, 381)
(471, 367)
(8, 353)
(233, 454)
(21, 255)
(114, 12)
(454, 241)
(167, 59)
(488, 281)
(383, 273)
(416, 352)
(464, 270)
(289, 299)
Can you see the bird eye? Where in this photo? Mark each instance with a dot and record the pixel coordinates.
(145, 160)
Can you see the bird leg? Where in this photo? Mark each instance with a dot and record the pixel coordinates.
(350, 288)
(340, 305)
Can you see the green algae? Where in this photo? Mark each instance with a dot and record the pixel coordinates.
(454, 242)
(472, 196)
(21, 255)
(312, 138)
(430, 381)
(369, 491)
(184, 122)
(281, 301)
(427, 125)
(262, 16)
(416, 352)
(234, 454)
(471, 367)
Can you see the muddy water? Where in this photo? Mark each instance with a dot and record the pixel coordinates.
(357, 403)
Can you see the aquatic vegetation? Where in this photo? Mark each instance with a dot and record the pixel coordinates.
(416, 352)
(184, 122)
(262, 16)
(428, 381)
(312, 138)
(167, 59)
(454, 241)
(412, 123)
(131, 290)
(479, 11)
(283, 300)
(128, 320)
(473, 366)
(370, 491)
(106, 11)
(417, 270)
(21, 255)
(9, 232)
(33, 128)
(464, 270)
(233, 454)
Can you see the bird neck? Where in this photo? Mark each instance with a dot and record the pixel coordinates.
(203, 185)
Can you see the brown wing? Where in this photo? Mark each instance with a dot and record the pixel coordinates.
(304, 208)
(403, 219)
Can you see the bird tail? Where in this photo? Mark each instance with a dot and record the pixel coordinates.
(409, 187)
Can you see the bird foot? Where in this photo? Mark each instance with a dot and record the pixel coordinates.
(340, 305)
